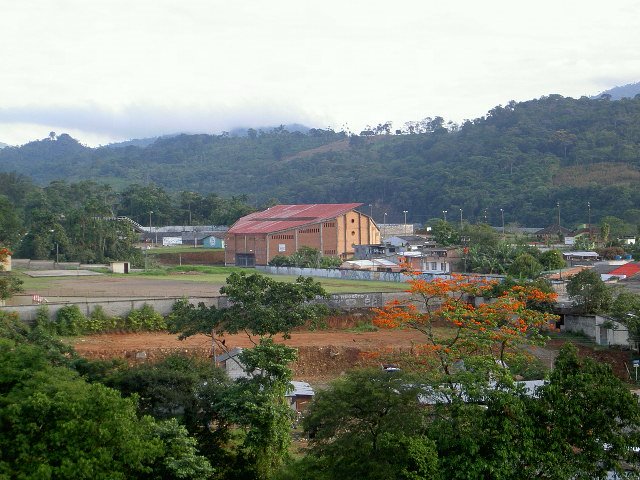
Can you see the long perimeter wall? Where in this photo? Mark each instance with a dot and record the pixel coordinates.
(163, 305)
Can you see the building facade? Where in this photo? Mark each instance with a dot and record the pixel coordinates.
(333, 229)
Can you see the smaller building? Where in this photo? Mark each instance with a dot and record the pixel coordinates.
(120, 267)
(300, 396)
(437, 261)
(409, 242)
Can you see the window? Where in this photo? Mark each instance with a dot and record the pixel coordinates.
(434, 265)
(443, 267)
(282, 247)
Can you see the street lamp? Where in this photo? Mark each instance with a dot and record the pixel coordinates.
(558, 204)
(502, 214)
(384, 225)
(444, 213)
(460, 219)
(405, 220)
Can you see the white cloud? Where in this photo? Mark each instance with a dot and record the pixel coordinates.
(118, 69)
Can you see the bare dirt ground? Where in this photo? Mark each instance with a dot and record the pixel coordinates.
(322, 354)
(108, 286)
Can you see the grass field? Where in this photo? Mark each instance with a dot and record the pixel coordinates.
(203, 276)
(219, 275)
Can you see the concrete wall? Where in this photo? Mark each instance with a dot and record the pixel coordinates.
(121, 307)
(27, 264)
(596, 328)
(115, 308)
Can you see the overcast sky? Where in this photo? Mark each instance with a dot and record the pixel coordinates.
(107, 70)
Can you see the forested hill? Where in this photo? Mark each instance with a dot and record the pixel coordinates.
(523, 157)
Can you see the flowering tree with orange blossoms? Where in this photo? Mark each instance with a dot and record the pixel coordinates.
(482, 334)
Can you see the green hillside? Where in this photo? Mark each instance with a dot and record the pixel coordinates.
(523, 157)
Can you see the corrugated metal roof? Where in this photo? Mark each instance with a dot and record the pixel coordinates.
(300, 388)
(284, 217)
(628, 269)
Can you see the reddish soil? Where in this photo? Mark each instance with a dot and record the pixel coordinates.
(322, 354)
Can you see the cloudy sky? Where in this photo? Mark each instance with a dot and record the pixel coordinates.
(108, 70)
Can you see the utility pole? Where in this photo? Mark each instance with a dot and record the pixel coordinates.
(150, 212)
(502, 214)
(558, 204)
(405, 221)
(589, 224)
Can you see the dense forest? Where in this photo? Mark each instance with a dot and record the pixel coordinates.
(76, 221)
(524, 158)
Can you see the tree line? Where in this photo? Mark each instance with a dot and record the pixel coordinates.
(75, 221)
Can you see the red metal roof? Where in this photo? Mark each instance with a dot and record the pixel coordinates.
(628, 269)
(284, 217)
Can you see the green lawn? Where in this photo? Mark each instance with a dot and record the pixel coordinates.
(220, 274)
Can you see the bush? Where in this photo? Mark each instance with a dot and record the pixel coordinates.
(99, 321)
(145, 318)
(70, 321)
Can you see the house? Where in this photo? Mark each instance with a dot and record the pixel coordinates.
(366, 252)
(333, 229)
(409, 242)
(214, 240)
(230, 363)
(552, 234)
(580, 257)
(299, 395)
(436, 261)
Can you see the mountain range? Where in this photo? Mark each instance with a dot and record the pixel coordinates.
(522, 159)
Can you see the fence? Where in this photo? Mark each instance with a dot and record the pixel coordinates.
(344, 274)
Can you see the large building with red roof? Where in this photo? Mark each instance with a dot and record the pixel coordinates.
(281, 230)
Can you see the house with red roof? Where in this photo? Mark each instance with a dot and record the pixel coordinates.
(332, 228)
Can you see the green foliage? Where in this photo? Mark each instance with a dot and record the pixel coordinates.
(525, 265)
(369, 424)
(167, 388)
(552, 260)
(445, 234)
(9, 285)
(55, 425)
(306, 257)
(70, 320)
(522, 157)
(257, 304)
(589, 293)
(144, 319)
(626, 309)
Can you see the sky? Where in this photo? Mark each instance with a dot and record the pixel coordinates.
(112, 70)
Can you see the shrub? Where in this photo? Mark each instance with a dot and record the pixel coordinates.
(43, 320)
(145, 318)
(99, 321)
(70, 321)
